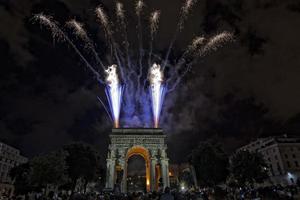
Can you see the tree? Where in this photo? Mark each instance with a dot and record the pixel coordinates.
(248, 167)
(187, 178)
(83, 163)
(210, 162)
(49, 169)
(21, 178)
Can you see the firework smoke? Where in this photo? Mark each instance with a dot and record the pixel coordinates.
(139, 92)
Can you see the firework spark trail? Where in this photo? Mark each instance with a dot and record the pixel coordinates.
(185, 10)
(157, 90)
(81, 33)
(120, 13)
(138, 101)
(216, 42)
(105, 108)
(197, 43)
(212, 44)
(120, 10)
(138, 10)
(154, 21)
(59, 34)
(106, 26)
(114, 93)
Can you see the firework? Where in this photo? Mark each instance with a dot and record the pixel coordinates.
(114, 93)
(188, 6)
(120, 10)
(157, 90)
(154, 20)
(198, 41)
(48, 22)
(78, 28)
(102, 16)
(217, 41)
(144, 90)
(81, 33)
(139, 7)
(59, 34)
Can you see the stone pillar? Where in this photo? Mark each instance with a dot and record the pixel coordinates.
(152, 174)
(110, 175)
(165, 172)
(165, 168)
(168, 177)
(124, 181)
(123, 164)
(110, 170)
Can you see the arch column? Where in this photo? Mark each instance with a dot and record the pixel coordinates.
(165, 172)
(165, 168)
(124, 176)
(152, 174)
(110, 175)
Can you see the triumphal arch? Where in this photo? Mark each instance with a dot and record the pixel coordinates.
(148, 143)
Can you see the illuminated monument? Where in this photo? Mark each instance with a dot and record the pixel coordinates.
(148, 143)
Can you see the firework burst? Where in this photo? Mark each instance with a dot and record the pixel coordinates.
(114, 93)
(127, 85)
(157, 90)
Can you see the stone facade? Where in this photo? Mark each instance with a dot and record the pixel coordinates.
(148, 143)
(9, 158)
(282, 154)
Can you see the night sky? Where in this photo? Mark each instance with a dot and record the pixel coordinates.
(247, 89)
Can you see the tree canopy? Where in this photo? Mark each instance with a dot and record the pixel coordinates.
(248, 167)
(210, 162)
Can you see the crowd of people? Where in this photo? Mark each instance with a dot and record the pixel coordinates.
(268, 193)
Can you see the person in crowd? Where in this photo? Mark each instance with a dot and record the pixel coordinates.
(167, 195)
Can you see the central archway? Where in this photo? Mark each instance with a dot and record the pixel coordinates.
(144, 153)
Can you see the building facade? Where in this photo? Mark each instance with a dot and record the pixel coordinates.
(9, 158)
(282, 154)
